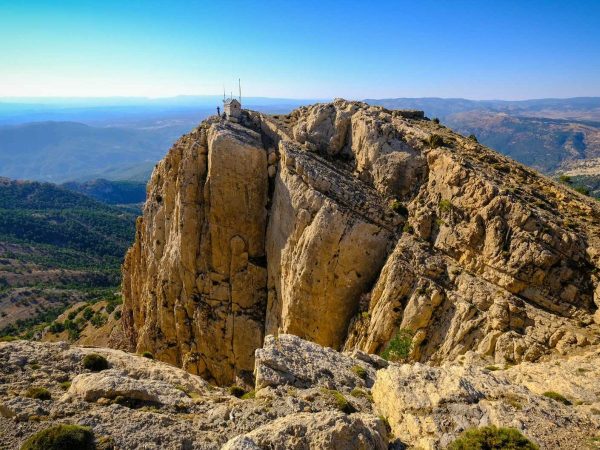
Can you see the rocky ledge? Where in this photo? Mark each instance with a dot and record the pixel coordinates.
(306, 397)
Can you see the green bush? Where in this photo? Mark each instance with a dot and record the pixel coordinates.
(398, 207)
(473, 138)
(73, 334)
(95, 362)
(56, 327)
(582, 190)
(88, 313)
(492, 438)
(360, 371)
(445, 205)
(38, 393)
(435, 141)
(566, 179)
(148, 355)
(361, 393)
(435, 120)
(556, 396)
(237, 391)
(99, 319)
(399, 347)
(249, 395)
(61, 437)
(341, 402)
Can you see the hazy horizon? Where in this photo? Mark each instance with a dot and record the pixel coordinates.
(212, 97)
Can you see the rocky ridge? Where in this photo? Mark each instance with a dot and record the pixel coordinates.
(305, 396)
(343, 223)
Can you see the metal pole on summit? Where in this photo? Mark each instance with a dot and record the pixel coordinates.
(240, 87)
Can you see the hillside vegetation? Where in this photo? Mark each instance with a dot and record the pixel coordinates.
(111, 192)
(543, 143)
(56, 248)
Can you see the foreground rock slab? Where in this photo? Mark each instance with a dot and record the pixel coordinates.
(427, 407)
(288, 360)
(327, 430)
(139, 403)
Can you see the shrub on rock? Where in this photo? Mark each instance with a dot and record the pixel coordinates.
(340, 401)
(492, 438)
(360, 371)
(557, 397)
(435, 141)
(399, 347)
(95, 362)
(38, 393)
(236, 391)
(61, 437)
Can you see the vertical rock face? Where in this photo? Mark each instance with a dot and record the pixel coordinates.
(322, 253)
(195, 280)
(343, 224)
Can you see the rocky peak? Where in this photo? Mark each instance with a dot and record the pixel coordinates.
(343, 223)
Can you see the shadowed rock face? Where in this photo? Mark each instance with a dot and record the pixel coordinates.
(342, 223)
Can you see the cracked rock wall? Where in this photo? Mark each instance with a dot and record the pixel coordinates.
(344, 223)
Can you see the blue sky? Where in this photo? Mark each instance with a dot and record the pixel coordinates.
(301, 49)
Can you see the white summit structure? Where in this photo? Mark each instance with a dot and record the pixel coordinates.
(232, 107)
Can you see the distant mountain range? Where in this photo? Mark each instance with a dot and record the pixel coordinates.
(61, 140)
(122, 139)
(578, 108)
(550, 135)
(129, 110)
(66, 151)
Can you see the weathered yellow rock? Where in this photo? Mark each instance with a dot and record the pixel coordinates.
(343, 223)
(193, 296)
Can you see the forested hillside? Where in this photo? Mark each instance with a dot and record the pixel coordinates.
(56, 247)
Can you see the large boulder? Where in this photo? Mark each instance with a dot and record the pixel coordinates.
(110, 384)
(327, 430)
(288, 360)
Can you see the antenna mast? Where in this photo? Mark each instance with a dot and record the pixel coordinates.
(240, 87)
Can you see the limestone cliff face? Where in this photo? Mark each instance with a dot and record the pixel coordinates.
(195, 281)
(343, 223)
